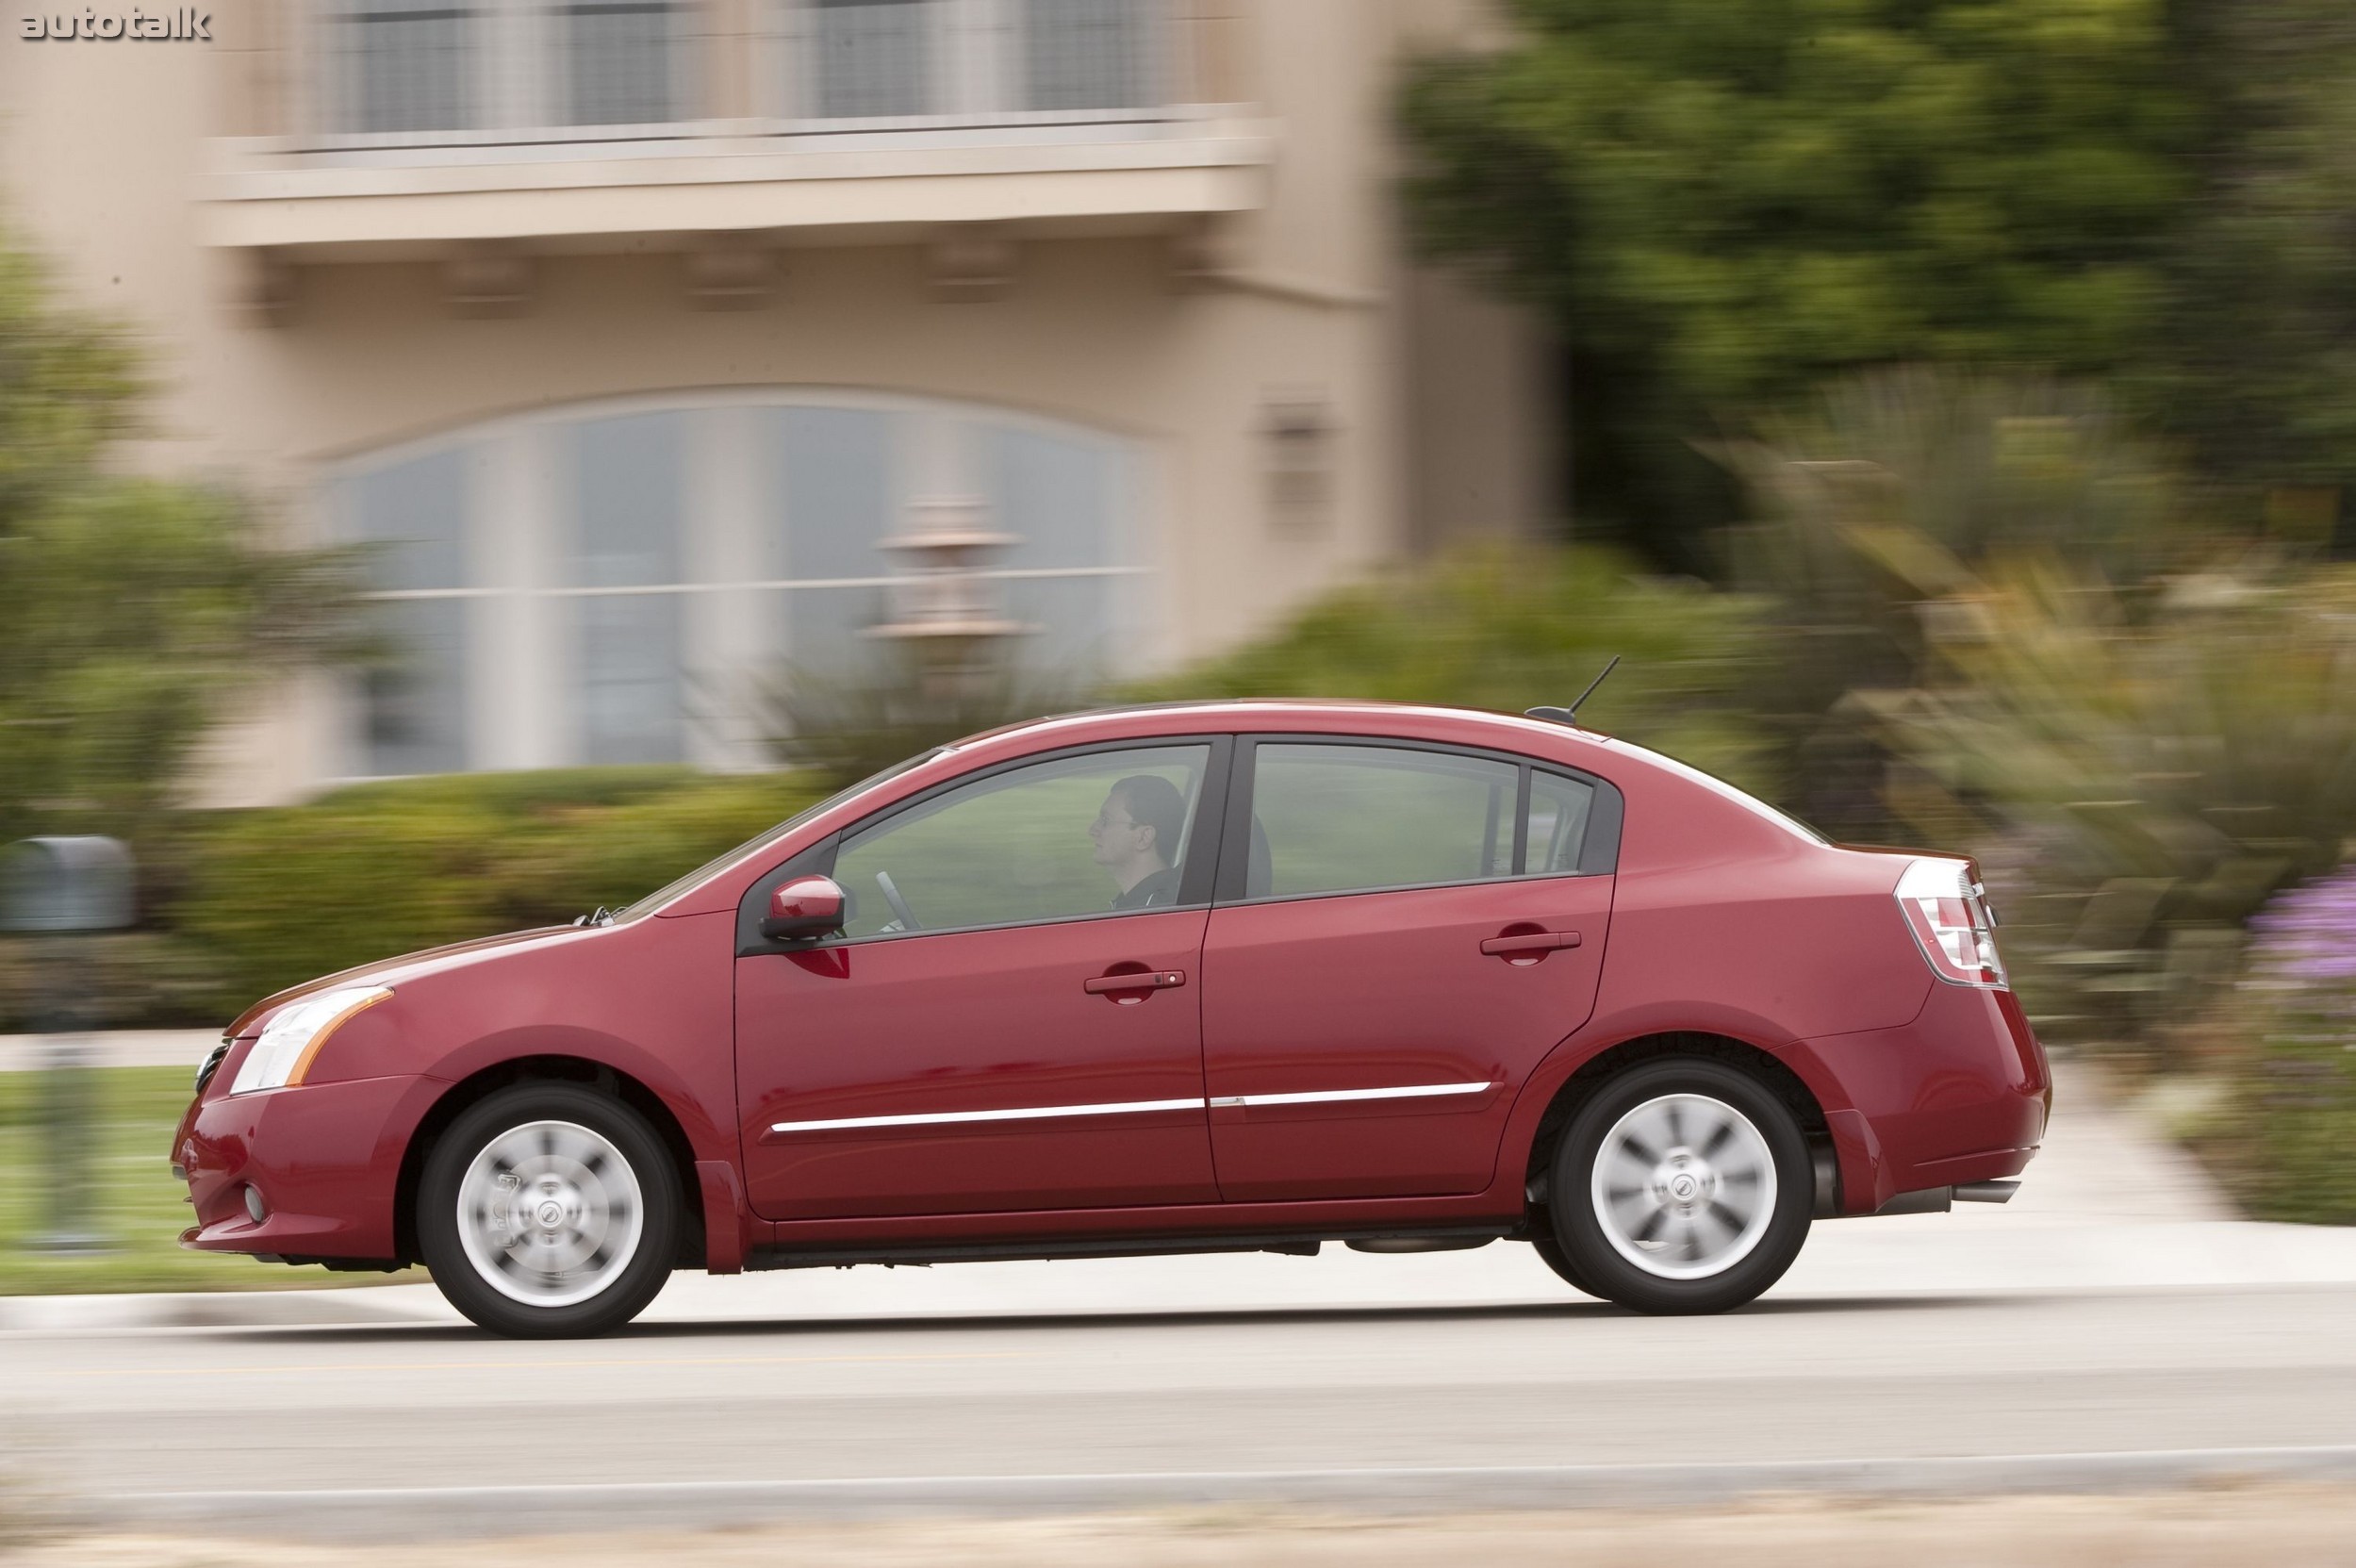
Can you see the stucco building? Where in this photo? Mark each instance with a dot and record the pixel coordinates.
(632, 330)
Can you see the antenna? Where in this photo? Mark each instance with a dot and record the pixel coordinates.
(1570, 714)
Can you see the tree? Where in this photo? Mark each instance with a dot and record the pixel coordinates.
(1722, 203)
(2255, 368)
(133, 613)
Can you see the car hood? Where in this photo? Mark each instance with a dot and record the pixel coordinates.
(391, 971)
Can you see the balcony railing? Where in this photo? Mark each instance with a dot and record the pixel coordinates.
(375, 127)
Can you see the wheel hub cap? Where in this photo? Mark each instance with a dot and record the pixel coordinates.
(1684, 1186)
(550, 1213)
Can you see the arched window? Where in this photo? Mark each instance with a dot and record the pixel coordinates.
(601, 585)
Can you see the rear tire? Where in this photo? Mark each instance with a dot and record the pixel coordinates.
(1683, 1185)
(549, 1211)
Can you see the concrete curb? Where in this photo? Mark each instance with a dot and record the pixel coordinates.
(427, 1512)
(78, 1314)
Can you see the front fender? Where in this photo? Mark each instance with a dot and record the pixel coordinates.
(712, 1137)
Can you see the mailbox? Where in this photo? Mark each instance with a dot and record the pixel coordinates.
(63, 886)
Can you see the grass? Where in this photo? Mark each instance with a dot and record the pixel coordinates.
(137, 1208)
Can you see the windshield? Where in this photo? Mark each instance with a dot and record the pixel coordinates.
(665, 894)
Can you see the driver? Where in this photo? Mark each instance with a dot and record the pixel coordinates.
(1136, 837)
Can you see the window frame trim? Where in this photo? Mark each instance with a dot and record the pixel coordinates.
(1599, 851)
(1196, 877)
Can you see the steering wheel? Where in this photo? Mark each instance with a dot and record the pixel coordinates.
(899, 905)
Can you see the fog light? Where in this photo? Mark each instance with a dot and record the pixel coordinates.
(254, 1205)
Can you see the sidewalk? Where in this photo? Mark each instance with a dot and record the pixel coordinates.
(2108, 1206)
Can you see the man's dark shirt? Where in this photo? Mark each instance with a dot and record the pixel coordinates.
(1156, 891)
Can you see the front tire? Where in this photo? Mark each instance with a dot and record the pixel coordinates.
(1683, 1185)
(1549, 1250)
(549, 1211)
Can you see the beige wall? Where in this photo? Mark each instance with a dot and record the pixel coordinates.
(1481, 398)
(101, 147)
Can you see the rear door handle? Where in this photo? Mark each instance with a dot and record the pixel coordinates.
(1533, 942)
(1146, 979)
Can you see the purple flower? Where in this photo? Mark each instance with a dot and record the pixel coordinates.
(2306, 938)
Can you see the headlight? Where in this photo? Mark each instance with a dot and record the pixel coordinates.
(288, 1046)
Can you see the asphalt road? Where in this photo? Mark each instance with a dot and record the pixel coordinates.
(2113, 1326)
(117, 1418)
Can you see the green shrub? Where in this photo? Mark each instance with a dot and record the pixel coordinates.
(850, 724)
(516, 794)
(2002, 627)
(126, 980)
(2281, 1137)
(2138, 789)
(1507, 630)
(277, 897)
(1889, 495)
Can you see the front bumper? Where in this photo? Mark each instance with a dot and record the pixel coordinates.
(324, 1158)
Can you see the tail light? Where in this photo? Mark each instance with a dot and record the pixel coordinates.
(1952, 923)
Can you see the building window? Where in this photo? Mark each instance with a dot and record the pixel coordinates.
(873, 58)
(1088, 54)
(627, 493)
(428, 67)
(406, 65)
(492, 70)
(1056, 498)
(839, 476)
(618, 62)
(864, 60)
(637, 574)
(410, 520)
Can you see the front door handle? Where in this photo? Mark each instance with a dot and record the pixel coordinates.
(1139, 980)
(1529, 942)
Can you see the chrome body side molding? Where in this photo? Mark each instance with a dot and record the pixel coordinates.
(1125, 1108)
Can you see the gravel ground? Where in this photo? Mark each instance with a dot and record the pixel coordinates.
(2315, 1527)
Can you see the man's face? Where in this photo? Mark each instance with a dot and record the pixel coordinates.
(1119, 837)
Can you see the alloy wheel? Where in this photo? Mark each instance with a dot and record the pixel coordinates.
(1684, 1186)
(550, 1213)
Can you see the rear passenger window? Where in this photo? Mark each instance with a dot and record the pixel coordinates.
(1560, 811)
(1345, 819)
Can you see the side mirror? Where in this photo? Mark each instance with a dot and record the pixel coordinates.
(803, 910)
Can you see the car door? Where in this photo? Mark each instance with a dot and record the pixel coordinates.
(1402, 932)
(987, 1032)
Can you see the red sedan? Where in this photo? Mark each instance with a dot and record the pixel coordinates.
(1228, 976)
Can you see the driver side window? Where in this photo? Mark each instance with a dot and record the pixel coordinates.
(1089, 834)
